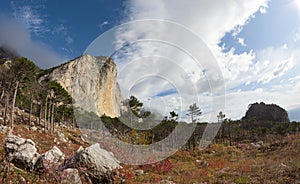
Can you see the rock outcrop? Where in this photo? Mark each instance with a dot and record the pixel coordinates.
(21, 152)
(49, 160)
(97, 163)
(91, 81)
(266, 112)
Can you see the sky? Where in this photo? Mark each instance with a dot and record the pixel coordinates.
(222, 55)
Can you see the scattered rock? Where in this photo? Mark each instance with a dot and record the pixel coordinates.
(283, 165)
(202, 163)
(34, 128)
(258, 144)
(49, 160)
(97, 163)
(70, 176)
(22, 179)
(139, 172)
(261, 143)
(83, 137)
(21, 152)
(62, 136)
(3, 129)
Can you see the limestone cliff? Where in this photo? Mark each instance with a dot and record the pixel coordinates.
(92, 83)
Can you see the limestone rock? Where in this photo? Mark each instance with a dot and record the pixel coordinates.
(139, 172)
(91, 81)
(21, 152)
(70, 176)
(258, 144)
(34, 128)
(49, 160)
(62, 136)
(97, 163)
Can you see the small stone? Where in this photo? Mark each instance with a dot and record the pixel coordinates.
(22, 179)
(139, 172)
(34, 128)
(70, 176)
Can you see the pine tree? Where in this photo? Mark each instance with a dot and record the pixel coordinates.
(194, 112)
(220, 117)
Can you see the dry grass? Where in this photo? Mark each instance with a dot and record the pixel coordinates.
(275, 162)
(228, 164)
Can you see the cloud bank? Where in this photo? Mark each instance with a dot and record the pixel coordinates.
(16, 36)
(248, 76)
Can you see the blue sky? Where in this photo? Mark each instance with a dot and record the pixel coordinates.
(66, 27)
(255, 45)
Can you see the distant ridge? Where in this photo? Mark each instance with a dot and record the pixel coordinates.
(6, 53)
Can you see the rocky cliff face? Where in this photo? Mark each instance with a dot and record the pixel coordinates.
(91, 81)
(266, 112)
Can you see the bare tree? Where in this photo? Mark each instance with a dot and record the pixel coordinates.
(13, 105)
(46, 111)
(5, 109)
(30, 110)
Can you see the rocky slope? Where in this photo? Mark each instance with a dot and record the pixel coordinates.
(91, 81)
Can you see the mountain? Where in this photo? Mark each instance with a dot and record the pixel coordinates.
(266, 112)
(91, 81)
(7, 54)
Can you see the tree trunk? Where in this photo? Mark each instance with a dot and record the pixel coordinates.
(13, 105)
(46, 110)
(5, 110)
(30, 111)
(229, 132)
(49, 118)
(62, 118)
(41, 111)
(2, 95)
(49, 112)
(52, 118)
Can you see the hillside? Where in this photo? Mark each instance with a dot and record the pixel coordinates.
(275, 160)
(41, 141)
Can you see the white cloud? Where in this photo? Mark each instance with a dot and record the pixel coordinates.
(60, 29)
(103, 24)
(263, 10)
(297, 35)
(241, 41)
(29, 15)
(69, 40)
(15, 36)
(278, 71)
(210, 21)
